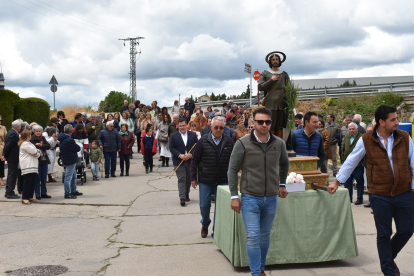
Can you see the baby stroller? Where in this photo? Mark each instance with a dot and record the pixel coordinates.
(80, 166)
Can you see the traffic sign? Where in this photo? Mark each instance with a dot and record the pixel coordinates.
(53, 80)
(256, 75)
(247, 68)
(53, 88)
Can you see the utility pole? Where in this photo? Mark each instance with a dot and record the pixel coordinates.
(132, 67)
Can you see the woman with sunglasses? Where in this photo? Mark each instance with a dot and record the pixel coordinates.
(247, 119)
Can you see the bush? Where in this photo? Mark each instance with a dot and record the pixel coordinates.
(33, 110)
(9, 100)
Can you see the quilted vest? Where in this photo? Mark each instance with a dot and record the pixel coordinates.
(260, 172)
(348, 147)
(381, 180)
(302, 146)
(209, 171)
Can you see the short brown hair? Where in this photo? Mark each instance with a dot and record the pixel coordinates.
(127, 113)
(125, 125)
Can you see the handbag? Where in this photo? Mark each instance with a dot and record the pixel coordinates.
(44, 158)
(163, 139)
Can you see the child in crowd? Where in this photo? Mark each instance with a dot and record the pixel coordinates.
(96, 159)
(149, 142)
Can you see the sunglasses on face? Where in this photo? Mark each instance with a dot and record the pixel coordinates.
(261, 122)
(217, 127)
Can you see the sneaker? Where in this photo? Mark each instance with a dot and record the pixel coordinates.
(94, 178)
(146, 171)
(70, 196)
(77, 193)
(106, 176)
(358, 202)
(97, 179)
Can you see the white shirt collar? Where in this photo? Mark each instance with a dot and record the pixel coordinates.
(258, 140)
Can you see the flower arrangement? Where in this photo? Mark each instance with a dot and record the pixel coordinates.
(294, 178)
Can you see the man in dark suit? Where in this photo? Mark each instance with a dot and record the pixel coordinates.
(11, 154)
(189, 105)
(181, 143)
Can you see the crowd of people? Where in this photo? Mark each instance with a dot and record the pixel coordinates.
(208, 149)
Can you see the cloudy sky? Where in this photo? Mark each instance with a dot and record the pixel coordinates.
(193, 47)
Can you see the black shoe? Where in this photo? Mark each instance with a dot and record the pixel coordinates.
(77, 193)
(132, 157)
(113, 175)
(358, 202)
(396, 270)
(14, 196)
(122, 174)
(46, 196)
(146, 171)
(106, 176)
(126, 174)
(368, 205)
(151, 170)
(38, 197)
(70, 196)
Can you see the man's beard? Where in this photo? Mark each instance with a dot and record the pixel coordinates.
(276, 65)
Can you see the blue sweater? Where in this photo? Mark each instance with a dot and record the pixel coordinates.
(148, 142)
(68, 149)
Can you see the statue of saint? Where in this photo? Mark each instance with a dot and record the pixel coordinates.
(273, 82)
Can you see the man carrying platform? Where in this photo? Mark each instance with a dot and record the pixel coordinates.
(389, 157)
(258, 155)
(307, 141)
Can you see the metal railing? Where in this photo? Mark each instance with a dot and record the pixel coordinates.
(333, 92)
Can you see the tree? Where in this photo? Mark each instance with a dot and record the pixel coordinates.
(348, 83)
(113, 102)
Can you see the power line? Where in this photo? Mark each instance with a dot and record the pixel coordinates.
(60, 20)
(101, 27)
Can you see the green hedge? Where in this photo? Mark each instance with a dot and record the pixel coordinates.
(33, 110)
(8, 102)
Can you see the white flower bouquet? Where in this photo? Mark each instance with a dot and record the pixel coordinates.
(295, 183)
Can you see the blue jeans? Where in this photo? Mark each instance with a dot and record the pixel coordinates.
(87, 155)
(401, 207)
(40, 182)
(205, 192)
(358, 175)
(258, 215)
(70, 179)
(95, 169)
(110, 159)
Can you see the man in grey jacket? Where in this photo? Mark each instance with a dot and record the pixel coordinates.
(333, 129)
(259, 184)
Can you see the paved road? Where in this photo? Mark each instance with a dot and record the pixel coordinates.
(135, 226)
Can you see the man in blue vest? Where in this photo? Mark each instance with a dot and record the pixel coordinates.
(307, 141)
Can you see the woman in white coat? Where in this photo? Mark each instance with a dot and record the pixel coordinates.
(175, 109)
(51, 137)
(29, 163)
